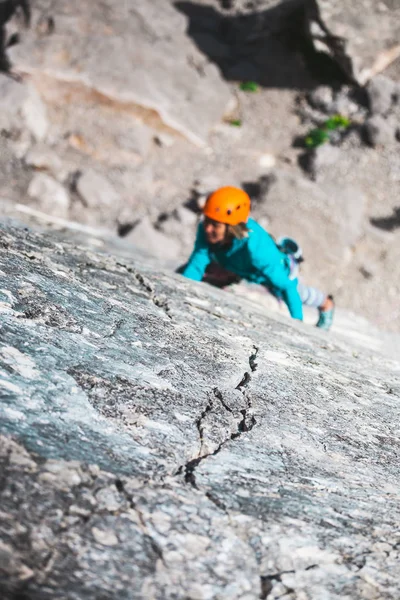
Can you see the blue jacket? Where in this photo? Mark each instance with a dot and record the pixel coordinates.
(255, 258)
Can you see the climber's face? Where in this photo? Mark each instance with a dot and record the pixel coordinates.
(215, 231)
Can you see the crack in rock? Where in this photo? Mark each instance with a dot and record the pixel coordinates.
(159, 301)
(146, 285)
(115, 327)
(219, 396)
(154, 545)
(245, 425)
(267, 581)
(252, 359)
(216, 314)
(218, 503)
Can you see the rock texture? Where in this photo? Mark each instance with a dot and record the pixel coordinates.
(133, 58)
(87, 79)
(363, 37)
(163, 439)
(50, 195)
(21, 106)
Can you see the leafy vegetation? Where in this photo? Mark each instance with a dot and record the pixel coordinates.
(320, 135)
(249, 86)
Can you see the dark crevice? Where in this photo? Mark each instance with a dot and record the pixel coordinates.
(218, 503)
(389, 223)
(219, 396)
(253, 367)
(337, 63)
(272, 47)
(245, 425)
(258, 190)
(162, 302)
(124, 229)
(192, 464)
(266, 587)
(119, 484)
(267, 583)
(7, 10)
(199, 422)
(252, 359)
(144, 283)
(116, 326)
(159, 301)
(244, 382)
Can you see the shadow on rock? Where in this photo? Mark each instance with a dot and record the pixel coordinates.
(258, 190)
(388, 223)
(270, 47)
(7, 10)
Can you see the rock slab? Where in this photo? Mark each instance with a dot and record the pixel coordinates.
(153, 427)
(363, 36)
(137, 57)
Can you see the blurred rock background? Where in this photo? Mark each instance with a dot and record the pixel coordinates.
(125, 115)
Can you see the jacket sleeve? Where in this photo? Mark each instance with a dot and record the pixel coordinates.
(200, 257)
(267, 259)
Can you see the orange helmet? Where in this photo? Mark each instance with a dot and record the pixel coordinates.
(228, 205)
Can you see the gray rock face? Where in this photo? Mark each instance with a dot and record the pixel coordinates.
(362, 36)
(43, 158)
(153, 428)
(97, 192)
(135, 58)
(322, 158)
(383, 92)
(21, 106)
(380, 131)
(156, 243)
(339, 209)
(49, 195)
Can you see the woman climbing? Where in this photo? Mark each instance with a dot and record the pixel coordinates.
(227, 237)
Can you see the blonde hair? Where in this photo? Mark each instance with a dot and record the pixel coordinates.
(239, 231)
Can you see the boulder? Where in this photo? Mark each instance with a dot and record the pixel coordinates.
(43, 158)
(382, 92)
(164, 140)
(180, 224)
(21, 107)
(380, 131)
(137, 60)
(146, 237)
(362, 36)
(325, 215)
(321, 98)
(322, 158)
(136, 139)
(97, 192)
(328, 101)
(49, 195)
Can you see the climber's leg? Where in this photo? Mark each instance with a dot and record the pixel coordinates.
(313, 297)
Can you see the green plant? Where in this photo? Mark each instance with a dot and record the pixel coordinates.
(249, 86)
(320, 135)
(336, 122)
(316, 137)
(236, 123)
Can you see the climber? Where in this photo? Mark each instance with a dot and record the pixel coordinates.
(239, 247)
